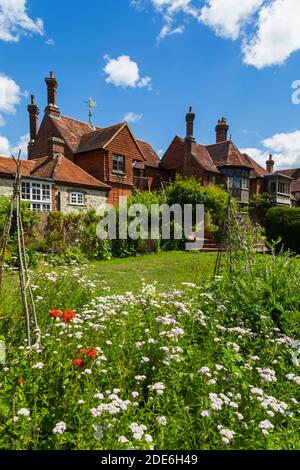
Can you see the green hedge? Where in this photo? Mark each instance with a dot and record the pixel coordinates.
(284, 223)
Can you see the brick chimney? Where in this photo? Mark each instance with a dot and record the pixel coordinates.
(52, 85)
(189, 145)
(33, 111)
(222, 130)
(56, 147)
(270, 164)
(190, 119)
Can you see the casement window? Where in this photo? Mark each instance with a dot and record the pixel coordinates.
(39, 195)
(118, 164)
(283, 188)
(77, 199)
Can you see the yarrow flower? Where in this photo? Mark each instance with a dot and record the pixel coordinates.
(78, 363)
(89, 352)
(123, 440)
(265, 426)
(162, 420)
(23, 412)
(60, 428)
(55, 313)
(67, 316)
(39, 366)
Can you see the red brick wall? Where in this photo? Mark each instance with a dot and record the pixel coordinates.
(118, 191)
(41, 145)
(174, 156)
(94, 162)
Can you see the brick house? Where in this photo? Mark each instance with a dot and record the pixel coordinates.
(295, 174)
(222, 163)
(53, 183)
(112, 155)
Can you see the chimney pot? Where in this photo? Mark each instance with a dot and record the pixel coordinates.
(190, 119)
(52, 85)
(33, 111)
(270, 164)
(222, 130)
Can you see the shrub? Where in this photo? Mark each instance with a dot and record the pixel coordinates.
(284, 223)
(259, 206)
(190, 191)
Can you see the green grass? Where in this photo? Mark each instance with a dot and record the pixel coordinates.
(167, 269)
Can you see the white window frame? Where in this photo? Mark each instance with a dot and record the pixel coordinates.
(38, 194)
(74, 198)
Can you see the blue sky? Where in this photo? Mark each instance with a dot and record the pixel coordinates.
(210, 54)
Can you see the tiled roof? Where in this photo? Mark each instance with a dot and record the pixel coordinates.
(257, 170)
(202, 156)
(98, 139)
(152, 159)
(294, 173)
(58, 169)
(8, 166)
(227, 154)
(72, 130)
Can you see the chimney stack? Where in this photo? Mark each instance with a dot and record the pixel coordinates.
(56, 147)
(190, 119)
(222, 130)
(33, 111)
(270, 164)
(52, 85)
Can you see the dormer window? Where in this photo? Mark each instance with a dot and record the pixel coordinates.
(118, 165)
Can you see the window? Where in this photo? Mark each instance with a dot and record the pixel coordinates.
(39, 195)
(118, 164)
(283, 188)
(77, 199)
(212, 179)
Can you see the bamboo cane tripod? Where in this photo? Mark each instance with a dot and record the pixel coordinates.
(28, 303)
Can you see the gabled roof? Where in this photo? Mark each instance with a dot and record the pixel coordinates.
(152, 159)
(59, 169)
(99, 138)
(71, 130)
(257, 170)
(227, 154)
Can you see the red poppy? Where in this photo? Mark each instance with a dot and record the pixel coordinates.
(78, 363)
(55, 313)
(20, 380)
(91, 352)
(68, 316)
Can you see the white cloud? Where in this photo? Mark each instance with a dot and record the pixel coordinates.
(10, 97)
(285, 148)
(7, 149)
(50, 42)
(4, 146)
(277, 35)
(227, 17)
(14, 21)
(132, 117)
(124, 72)
(268, 29)
(21, 145)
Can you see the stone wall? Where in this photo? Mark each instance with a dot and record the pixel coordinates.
(93, 199)
(6, 187)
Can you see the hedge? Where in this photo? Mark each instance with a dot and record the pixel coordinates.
(284, 223)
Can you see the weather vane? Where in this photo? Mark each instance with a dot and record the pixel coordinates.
(91, 104)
